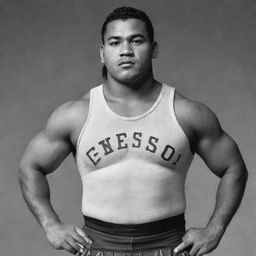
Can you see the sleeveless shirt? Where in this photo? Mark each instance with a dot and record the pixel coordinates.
(151, 140)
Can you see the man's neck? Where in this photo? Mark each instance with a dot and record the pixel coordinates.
(137, 90)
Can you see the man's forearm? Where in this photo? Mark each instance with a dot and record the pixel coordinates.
(229, 195)
(35, 189)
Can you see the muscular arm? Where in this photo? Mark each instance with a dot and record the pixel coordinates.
(221, 154)
(44, 154)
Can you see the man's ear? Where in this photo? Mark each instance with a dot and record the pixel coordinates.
(154, 50)
(101, 54)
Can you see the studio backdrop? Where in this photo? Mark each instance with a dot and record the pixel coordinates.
(49, 54)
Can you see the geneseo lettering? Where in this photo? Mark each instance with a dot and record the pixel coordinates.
(120, 142)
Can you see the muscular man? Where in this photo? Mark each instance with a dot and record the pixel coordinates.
(133, 139)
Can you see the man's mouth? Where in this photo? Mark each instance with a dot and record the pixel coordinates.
(126, 63)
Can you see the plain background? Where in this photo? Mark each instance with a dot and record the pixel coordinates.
(49, 54)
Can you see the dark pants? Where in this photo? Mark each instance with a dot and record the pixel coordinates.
(157, 238)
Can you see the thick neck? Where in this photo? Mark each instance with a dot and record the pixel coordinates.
(137, 90)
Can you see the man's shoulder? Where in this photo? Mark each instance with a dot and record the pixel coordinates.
(69, 116)
(195, 117)
(75, 108)
(191, 108)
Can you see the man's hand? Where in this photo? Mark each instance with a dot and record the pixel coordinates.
(199, 241)
(67, 237)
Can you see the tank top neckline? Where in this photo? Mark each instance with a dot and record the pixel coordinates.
(131, 118)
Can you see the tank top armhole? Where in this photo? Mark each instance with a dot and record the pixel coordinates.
(86, 121)
(173, 114)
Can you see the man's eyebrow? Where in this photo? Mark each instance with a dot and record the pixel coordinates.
(129, 37)
(114, 37)
(137, 35)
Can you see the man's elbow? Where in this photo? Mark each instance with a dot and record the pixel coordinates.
(245, 175)
(27, 172)
(240, 173)
(24, 172)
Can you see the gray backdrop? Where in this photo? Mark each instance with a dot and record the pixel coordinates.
(49, 54)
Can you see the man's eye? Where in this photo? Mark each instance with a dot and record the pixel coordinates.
(114, 43)
(137, 41)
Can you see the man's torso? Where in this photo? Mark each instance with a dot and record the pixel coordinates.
(127, 189)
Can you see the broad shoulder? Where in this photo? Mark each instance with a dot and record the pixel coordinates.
(67, 120)
(196, 119)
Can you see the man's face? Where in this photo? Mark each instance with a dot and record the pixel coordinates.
(127, 51)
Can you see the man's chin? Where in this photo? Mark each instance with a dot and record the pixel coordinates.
(129, 79)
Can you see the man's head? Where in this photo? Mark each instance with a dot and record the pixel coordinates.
(127, 34)
(124, 13)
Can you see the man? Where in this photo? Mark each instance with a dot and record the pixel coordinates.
(133, 139)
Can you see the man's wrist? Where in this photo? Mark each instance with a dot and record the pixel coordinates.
(49, 223)
(215, 228)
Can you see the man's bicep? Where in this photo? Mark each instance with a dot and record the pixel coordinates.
(44, 153)
(219, 153)
(51, 146)
(218, 150)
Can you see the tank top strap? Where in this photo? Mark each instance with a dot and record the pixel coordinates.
(98, 106)
(167, 102)
(100, 101)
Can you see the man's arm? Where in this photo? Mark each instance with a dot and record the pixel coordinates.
(221, 154)
(44, 154)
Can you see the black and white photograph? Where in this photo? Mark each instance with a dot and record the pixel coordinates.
(127, 128)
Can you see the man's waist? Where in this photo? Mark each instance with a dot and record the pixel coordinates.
(147, 228)
(133, 212)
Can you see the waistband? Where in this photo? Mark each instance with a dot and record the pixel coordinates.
(149, 228)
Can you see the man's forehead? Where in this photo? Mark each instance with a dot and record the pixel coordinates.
(126, 27)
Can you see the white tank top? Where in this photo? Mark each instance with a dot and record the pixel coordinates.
(153, 139)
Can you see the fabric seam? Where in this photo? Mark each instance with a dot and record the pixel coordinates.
(85, 123)
(172, 99)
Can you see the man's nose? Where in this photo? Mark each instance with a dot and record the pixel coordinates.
(126, 49)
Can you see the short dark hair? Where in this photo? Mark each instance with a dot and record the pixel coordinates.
(124, 13)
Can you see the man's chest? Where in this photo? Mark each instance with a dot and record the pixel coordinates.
(108, 144)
